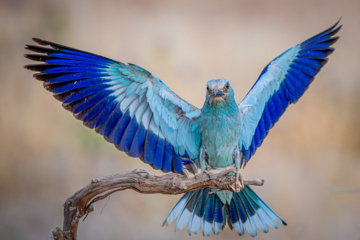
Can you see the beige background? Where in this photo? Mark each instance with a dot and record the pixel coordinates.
(310, 160)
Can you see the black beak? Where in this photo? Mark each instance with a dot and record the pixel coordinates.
(216, 92)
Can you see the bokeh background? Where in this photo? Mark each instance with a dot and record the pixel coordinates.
(310, 160)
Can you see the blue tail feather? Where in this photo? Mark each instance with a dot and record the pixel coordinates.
(265, 207)
(258, 217)
(184, 213)
(209, 215)
(250, 223)
(219, 216)
(191, 219)
(200, 211)
(236, 219)
(204, 209)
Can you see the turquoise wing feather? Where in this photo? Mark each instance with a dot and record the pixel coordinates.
(282, 82)
(125, 103)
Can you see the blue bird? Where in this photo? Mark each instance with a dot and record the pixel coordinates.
(141, 116)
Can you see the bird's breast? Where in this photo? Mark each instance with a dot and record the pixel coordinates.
(220, 135)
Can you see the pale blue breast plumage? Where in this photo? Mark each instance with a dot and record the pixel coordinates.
(136, 112)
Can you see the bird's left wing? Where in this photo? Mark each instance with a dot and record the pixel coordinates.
(282, 82)
(125, 103)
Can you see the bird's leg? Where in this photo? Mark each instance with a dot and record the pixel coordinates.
(189, 166)
(237, 156)
(202, 159)
(203, 164)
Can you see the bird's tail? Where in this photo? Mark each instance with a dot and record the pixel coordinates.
(206, 209)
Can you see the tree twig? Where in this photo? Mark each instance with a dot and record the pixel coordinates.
(80, 203)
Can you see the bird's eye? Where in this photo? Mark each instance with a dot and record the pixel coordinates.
(208, 89)
(227, 86)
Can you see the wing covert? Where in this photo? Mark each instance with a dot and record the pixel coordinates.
(282, 82)
(125, 103)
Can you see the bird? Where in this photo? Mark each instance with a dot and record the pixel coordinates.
(140, 115)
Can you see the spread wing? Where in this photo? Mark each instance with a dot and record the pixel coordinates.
(282, 82)
(125, 103)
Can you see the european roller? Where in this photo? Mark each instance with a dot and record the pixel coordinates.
(141, 116)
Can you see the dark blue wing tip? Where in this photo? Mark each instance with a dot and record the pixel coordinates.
(41, 42)
(333, 26)
(55, 47)
(333, 29)
(325, 36)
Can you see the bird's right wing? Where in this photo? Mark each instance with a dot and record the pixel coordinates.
(282, 82)
(125, 103)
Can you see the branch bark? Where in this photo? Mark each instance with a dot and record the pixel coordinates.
(80, 203)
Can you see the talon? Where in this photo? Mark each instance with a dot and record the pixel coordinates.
(196, 175)
(239, 184)
(207, 173)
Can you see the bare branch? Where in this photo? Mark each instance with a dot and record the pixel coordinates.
(80, 203)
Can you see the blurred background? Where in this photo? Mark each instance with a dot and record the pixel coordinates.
(310, 160)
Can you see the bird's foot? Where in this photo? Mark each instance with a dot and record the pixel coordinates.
(239, 183)
(207, 171)
(196, 175)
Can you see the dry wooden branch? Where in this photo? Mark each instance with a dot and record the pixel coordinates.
(80, 203)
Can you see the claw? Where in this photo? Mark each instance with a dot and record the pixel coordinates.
(196, 175)
(239, 184)
(238, 156)
(207, 173)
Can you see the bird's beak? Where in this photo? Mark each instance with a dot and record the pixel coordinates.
(216, 92)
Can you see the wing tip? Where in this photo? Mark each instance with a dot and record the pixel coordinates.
(40, 41)
(29, 66)
(334, 28)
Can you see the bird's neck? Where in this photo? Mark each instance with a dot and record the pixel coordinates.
(215, 108)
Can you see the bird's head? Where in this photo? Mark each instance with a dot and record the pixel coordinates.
(218, 90)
